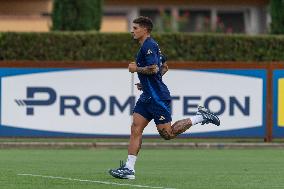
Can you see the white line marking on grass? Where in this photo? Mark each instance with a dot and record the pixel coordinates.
(93, 181)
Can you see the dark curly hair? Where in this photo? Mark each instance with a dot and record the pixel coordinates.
(144, 22)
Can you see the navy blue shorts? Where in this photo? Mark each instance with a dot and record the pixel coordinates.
(159, 111)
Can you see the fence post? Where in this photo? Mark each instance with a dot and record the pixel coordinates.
(269, 103)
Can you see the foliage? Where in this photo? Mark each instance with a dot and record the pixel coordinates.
(120, 46)
(277, 16)
(74, 15)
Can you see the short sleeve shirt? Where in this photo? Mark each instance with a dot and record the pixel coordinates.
(152, 85)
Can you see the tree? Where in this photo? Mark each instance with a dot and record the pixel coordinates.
(76, 15)
(277, 16)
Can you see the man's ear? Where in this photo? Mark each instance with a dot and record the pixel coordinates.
(146, 30)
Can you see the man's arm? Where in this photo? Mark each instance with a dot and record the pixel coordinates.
(147, 70)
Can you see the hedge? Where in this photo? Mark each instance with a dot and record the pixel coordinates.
(121, 47)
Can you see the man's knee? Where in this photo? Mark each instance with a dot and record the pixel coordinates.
(165, 134)
(136, 129)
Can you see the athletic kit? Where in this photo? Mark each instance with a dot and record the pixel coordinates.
(154, 102)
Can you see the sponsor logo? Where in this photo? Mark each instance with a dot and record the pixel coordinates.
(281, 102)
(76, 104)
(71, 102)
(149, 51)
(30, 102)
(57, 101)
(162, 118)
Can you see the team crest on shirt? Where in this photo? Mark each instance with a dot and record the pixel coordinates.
(149, 51)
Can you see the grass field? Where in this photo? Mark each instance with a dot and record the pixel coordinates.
(145, 139)
(196, 169)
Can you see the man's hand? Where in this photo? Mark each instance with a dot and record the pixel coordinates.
(164, 68)
(139, 86)
(132, 67)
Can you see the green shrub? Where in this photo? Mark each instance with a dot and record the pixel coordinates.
(120, 47)
(75, 15)
(277, 16)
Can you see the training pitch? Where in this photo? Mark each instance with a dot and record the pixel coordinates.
(196, 169)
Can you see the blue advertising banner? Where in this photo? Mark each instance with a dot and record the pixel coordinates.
(98, 102)
(278, 103)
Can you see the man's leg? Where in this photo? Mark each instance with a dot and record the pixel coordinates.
(137, 127)
(168, 131)
(135, 140)
(204, 116)
(127, 171)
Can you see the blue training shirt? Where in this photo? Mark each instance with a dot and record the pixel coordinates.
(152, 85)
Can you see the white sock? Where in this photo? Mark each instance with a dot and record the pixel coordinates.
(196, 119)
(130, 163)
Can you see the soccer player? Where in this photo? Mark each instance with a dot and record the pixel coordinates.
(154, 102)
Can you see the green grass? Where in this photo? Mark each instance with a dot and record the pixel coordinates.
(145, 139)
(196, 169)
